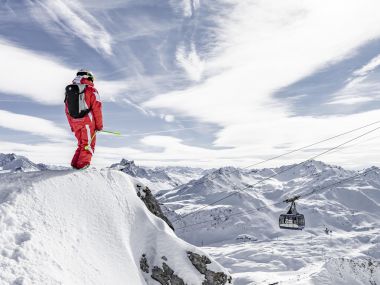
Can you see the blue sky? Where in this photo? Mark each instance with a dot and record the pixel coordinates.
(192, 82)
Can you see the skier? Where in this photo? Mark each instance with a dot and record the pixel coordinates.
(84, 113)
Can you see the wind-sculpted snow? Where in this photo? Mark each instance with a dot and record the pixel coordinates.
(84, 227)
(341, 221)
(342, 271)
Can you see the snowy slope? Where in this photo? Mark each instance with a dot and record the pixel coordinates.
(341, 271)
(89, 227)
(351, 211)
(159, 178)
(361, 195)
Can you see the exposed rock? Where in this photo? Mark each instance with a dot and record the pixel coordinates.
(199, 261)
(211, 278)
(144, 264)
(216, 278)
(151, 203)
(166, 276)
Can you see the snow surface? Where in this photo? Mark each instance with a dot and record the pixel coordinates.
(350, 212)
(340, 244)
(83, 227)
(159, 178)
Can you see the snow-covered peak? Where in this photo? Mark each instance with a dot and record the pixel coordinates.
(129, 167)
(228, 179)
(218, 180)
(17, 163)
(159, 178)
(309, 168)
(222, 198)
(89, 227)
(11, 162)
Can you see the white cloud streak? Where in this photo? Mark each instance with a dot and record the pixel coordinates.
(190, 62)
(42, 78)
(138, 107)
(185, 7)
(370, 66)
(269, 45)
(361, 87)
(32, 125)
(72, 18)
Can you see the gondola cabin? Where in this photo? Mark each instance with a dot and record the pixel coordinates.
(292, 220)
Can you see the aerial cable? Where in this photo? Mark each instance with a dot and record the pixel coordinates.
(296, 150)
(313, 144)
(280, 172)
(317, 189)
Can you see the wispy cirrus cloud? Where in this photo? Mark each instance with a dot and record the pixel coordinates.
(362, 87)
(264, 46)
(73, 19)
(190, 61)
(369, 67)
(185, 7)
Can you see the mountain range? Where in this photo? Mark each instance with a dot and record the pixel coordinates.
(232, 213)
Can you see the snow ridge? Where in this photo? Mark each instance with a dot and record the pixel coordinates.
(87, 227)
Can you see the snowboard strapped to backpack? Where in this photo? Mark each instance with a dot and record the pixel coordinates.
(75, 100)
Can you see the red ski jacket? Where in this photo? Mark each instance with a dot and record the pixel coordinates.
(94, 118)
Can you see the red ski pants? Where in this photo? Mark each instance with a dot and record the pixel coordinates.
(86, 147)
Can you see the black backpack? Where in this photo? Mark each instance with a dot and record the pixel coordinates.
(75, 100)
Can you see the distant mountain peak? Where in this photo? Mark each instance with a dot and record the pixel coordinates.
(159, 178)
(11, 162)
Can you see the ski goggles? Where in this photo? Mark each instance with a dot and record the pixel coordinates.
(85, 73)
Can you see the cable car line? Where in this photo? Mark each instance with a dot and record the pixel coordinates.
(281, 202)
(310, 145)
(293, 151)
(276, 174)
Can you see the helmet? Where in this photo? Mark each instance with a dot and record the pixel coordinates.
(86, 74)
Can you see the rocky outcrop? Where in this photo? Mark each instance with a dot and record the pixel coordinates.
(211, 278)
(151, 203)
(166, 275)
(144, 264)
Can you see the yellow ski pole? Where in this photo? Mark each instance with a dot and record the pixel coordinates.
(116, 133)
(87, 147)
